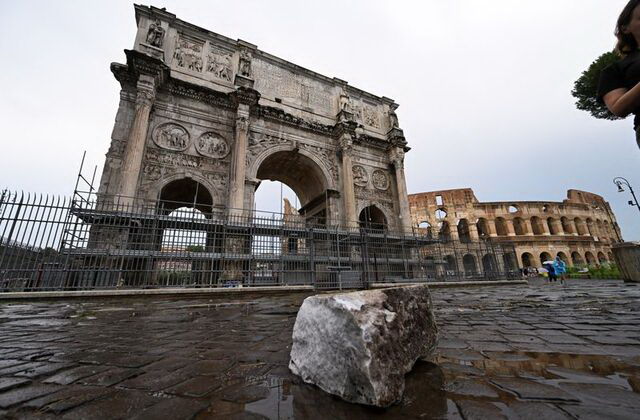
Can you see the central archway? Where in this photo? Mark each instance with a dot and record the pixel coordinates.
(303, 175)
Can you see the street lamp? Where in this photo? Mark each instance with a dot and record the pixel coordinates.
(619, 182)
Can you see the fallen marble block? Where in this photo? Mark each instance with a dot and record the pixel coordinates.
(359, 345)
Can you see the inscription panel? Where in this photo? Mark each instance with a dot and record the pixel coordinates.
(279, 82)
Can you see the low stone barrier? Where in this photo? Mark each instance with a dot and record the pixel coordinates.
(359, 345)
(627, 256)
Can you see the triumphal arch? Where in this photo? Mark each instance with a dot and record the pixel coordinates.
(203, 118)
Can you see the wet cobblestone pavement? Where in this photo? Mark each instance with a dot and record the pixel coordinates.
(539, 351)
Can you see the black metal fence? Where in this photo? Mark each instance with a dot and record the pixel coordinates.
(97, 242)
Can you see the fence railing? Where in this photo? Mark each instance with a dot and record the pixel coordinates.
(98, 242)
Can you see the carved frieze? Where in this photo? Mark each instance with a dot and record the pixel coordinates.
(188, 54)
(173, 159)
(219, 64)
(212, 145)
(279, 115)
(380, 180)
(327, 156)
(360, 176)
(371, 117)
(152, 172)
(259, 142)
(171, 136)
(372, 194)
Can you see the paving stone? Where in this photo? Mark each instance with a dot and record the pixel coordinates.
(463, 369)
(470, 387)
(67, 398)
(528, 339)
(479, 410)
(452, 343)
(466, 355)
(179, 408)
(531, 390)
(537, 411)
(12, 370)
(41, 370)
(110, 377)
(602, 413)
(196, 387)
(154, 381)
(121, 404)
(246, 394)
(603, 394)
(8, 383)
(483, 346)
(25, 393)
(67, 377)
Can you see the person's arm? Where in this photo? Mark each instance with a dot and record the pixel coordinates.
(621, 102)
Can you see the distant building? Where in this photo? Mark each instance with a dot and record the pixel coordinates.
(581, 229)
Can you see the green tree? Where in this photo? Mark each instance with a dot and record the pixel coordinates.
(585, 89)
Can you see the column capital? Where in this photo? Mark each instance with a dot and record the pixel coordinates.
(146, 91)
(140, 64)
(246, 96)
(242, 124)
(396, 156)
(346, 144)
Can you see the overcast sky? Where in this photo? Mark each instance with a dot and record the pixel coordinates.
(483, 86)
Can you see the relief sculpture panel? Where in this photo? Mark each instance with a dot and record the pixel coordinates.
(219, 64)
(380, 180)
(171, 136)
(188, 54)
(212, 145)
(360, 176)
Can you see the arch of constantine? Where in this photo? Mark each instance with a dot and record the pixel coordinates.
(203, 119)
(580, 229)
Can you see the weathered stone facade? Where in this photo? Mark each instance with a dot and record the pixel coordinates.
(205, 113)
(581, 229)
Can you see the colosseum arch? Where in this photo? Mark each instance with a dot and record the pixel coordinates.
(537, 226)
(519, 226)
(470, 265)
(545, 256)
(576, 258)
(554, 229)
(581, 228)
(528, 260)
(464, 234)
(602, 258)
(483, 227)
(591, 260)
(567, 228)
(501, 226)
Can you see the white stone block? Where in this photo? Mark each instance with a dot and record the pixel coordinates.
(359, 345)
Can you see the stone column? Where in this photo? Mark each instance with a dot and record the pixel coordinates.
(473, 232)
(528, 226)
(397, 159)
(491, 225)
(348, 192)
(545, 227)
(510, 230)
(238, 169)
(134, 150)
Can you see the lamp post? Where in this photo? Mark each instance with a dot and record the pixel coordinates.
(619, 182)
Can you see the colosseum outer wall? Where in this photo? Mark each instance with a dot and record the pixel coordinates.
(581, 229)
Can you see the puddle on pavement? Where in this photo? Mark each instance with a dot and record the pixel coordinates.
(440, 389)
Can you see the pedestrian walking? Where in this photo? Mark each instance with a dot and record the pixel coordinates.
(619, 86)
(560, 269)
(548, 265)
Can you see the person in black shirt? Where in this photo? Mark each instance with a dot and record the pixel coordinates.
(619, 86)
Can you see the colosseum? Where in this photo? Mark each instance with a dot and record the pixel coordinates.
(581, 229)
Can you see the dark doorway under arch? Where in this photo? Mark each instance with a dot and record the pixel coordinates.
(185, 192)
(372, 217)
